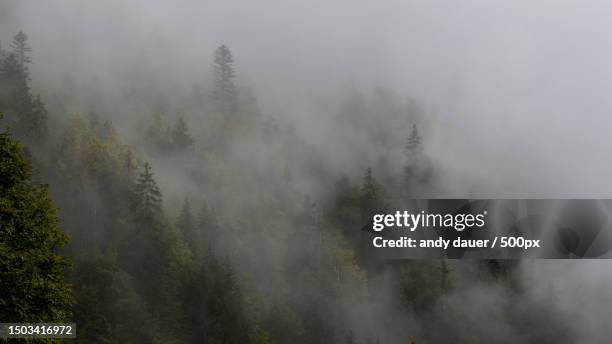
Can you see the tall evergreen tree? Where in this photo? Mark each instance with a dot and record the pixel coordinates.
(22, 51)
(225, 305)
(181, 139)
(36, 124)
(19, 59)
(31, 271)
(30, 115)
(413, 143)
(413, 150)
(15, 82)
(147, 201)
(225, 95)
(371, 194)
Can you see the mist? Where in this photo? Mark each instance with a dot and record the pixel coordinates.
(511, 99)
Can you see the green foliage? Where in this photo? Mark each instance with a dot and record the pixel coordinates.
(108, 309)
(31, 271)
(294, 271)
(93, 170)
(147, 197)
(215, 306)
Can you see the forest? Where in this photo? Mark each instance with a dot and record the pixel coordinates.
(253, 259)
(201, 215)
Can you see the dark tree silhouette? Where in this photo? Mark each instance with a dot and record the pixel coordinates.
(413, 150)
(22, 50)
(31, 272)
(224, 94)
(181, 139)
(413, 143)
(147, 200)
(29, 115)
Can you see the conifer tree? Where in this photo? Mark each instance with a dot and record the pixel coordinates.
(413, 150)
(181, 138)
(413, 143)
(22, 50)
(30, 115)
(15, 79)
(225, 305)
(156, 256)
(371, 196)
(147, 201)
(371, 192)
(224, 96)
(370, 188)
(19, 59)
(31, 271)
(36, 124)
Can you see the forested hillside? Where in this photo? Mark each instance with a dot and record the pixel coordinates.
(203, 219)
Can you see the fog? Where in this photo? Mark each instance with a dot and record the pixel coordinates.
(514, 94)
(519, 89)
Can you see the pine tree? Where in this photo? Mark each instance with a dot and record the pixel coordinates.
(181, 138)
(15, 80)
(371, 193)
(225, 305)
(156, 256)
(19, 59)
(371, 197)
(224, 96)
(31, 271)
(413, 150)
(30, 115)
(413, 143)
(370, 188)
(22, 50)
(36, 125)
(147, 201)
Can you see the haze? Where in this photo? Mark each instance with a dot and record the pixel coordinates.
(514, 94)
